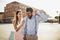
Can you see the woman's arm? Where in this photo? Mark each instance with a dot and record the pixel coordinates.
(14, 24)
(20, 26)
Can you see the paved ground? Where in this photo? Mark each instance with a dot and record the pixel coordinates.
(46, 31)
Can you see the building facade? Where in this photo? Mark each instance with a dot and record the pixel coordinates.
(11, 8)
(1, 16)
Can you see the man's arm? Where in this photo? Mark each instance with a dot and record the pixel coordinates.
(41, 16)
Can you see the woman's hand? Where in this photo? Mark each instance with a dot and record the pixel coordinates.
(19, 27)
(16, 30)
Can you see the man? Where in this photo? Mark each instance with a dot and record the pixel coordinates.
(31, 24)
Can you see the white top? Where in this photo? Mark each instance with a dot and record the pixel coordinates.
(19, 23)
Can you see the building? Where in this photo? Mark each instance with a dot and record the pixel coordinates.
(11, 8)
(1, 16)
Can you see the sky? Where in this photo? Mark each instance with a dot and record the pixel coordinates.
(49, 6)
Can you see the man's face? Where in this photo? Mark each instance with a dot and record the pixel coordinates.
(29, 14)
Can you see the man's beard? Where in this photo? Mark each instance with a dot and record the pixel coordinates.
(30, 17)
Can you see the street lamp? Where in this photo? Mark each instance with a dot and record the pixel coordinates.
(59, 18)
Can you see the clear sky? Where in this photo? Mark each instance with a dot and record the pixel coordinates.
(50, 6)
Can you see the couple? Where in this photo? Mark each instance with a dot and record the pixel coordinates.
(29, 24)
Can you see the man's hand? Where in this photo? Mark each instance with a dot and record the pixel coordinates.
(36, 12)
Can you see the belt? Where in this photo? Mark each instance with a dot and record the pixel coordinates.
(31, 34)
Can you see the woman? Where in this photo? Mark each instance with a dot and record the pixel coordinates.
(17, 22)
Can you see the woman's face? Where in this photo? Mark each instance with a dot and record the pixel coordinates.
(19, 15)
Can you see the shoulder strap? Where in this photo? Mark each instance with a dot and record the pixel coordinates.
(35, 25)
(26, 26)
